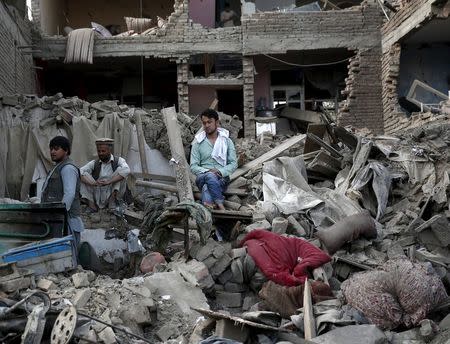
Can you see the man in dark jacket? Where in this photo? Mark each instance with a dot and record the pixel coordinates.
(63, 184)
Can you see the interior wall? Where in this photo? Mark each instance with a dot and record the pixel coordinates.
(81, 13)
(52, 16)
(200, 98)
(427, 63)
(203, 12)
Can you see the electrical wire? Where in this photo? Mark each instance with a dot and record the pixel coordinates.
(308, 65)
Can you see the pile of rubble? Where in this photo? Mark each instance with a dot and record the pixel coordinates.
(330, 237)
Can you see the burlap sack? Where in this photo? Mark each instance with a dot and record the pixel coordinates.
(347, 230)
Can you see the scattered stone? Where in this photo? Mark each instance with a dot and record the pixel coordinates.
(221, 265)
(107, 336)
(279, 225)
(46, 285)
(81, 298)
(166, 332)
(229, 300)
(227, 329)
(80, 280)
(264, 224)
(135, 313)
(195, 272)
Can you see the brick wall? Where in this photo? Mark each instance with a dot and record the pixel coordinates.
(363, 107)
(16, 72)
(277, 32)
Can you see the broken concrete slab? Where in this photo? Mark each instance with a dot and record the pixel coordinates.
(81, 298)
(194, 272)
(80, 280)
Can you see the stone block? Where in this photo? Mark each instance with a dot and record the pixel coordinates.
(221, 265)
(264, 224)
(279, 225)
(231, 300)
(238, 252)
(225, 276)
(80, 280)
(353, 334)
(135, 313)
(227, 329)
(46, 285)
(107, 336)
(167, 331)
(81, 298)
(195, 272)
(249, 301)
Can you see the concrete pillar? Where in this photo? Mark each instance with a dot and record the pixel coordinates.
(183, 88)
(249, 96)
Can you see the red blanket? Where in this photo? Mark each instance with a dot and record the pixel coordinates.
(283, 260)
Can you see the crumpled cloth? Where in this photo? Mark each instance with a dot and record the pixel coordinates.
(285, 261)
(161, 234)
(399, 293)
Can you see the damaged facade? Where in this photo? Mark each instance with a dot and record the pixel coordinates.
(250, 65)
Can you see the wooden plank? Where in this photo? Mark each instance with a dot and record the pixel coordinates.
(150, 176)
(141, 142)
(157, 186)
(325, 145)
(308, 313)
(346, 137)
(267, 156)
(182, 170)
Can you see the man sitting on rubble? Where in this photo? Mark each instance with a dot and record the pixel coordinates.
(104, 179)
(63, 184)
(213, 160)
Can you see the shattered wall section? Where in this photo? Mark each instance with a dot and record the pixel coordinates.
(16, 65)
(363, 107)
(394, 118)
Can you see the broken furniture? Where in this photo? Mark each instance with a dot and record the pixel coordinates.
(413, 95)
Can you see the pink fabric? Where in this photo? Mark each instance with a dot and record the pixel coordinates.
(285, 261)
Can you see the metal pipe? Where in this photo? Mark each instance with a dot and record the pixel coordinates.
(115, 327)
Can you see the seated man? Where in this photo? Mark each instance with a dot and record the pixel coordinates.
(103, 180)
(213, 160)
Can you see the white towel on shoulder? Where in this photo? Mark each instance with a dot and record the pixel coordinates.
(220, 150)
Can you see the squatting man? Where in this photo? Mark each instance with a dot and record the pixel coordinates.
(213, 160)
(104, 179)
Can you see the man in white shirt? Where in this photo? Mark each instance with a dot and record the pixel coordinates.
(103, 181)
(227, 16)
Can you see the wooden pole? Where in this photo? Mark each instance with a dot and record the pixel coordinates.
(141, 141)
(308, 313)
(182, 170)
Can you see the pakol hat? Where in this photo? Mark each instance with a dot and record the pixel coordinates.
(104, 141)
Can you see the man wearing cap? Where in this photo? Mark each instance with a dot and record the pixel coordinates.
(213, 160)
(63, 184)
(103, 180)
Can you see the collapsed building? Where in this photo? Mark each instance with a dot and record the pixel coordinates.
(364, 215)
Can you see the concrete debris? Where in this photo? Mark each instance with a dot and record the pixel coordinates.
(368, 201)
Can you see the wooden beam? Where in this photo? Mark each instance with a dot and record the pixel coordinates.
(141, 141)
(182, 170)
(157, 186)
(325, 145)
(308, 313)
(267, 156)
